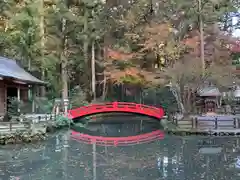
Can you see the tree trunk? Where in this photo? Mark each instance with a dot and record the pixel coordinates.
(86, 75)
(104, 90)
(93, 71)
(64, 75)
(105, 87)
(201, 37)
(41, 9)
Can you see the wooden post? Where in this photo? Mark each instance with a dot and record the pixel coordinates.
(18, 97)
(196, 122)
(39, 119)
(33, 94)
(236, 123)
(57, 106)
(216, 123)
(10, 126)
(65, 104)
(176, 121)
(193, 123)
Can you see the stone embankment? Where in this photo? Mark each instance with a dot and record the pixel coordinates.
(16, 132)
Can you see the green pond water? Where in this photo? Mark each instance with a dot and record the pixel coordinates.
(173, 158)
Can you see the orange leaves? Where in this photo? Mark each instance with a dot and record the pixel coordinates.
(132, 71)
(115, 75)
(156, 36)
(235, 47)
(160, 30)
(119, 72)
(119, 75)
(117, 55)
(192, 42)
(134, 75)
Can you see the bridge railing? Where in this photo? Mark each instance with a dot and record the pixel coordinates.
(119, 105)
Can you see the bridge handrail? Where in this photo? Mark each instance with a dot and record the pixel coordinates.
(119, 103)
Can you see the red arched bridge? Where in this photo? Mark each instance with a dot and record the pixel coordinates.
(142, 109)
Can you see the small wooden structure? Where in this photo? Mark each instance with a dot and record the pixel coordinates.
(210, 98)
(235, 97)
(15, 82)
(236, 94)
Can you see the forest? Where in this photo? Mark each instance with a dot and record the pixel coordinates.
(102, 50)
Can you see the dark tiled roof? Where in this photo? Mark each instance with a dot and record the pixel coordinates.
(209, 91)
(9, 68)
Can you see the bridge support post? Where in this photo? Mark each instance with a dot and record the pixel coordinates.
(236, 123)
(115, 104)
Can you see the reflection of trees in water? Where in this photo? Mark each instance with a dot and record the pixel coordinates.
(127, 163)
(19, 159)
(177, 158)
(193, 163)
(122, 128)
(120, 125)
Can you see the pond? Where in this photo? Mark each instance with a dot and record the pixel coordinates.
(183, 158)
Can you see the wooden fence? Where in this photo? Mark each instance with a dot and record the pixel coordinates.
(25, 122)
(13, 126)
(208, 123)
(38, 118)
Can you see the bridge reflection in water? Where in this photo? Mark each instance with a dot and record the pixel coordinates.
(116, 131)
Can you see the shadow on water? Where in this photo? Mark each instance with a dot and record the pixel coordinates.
(178, 158)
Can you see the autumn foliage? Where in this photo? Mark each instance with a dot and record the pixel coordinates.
(117, 55)
(235, 46)
(162, 50)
